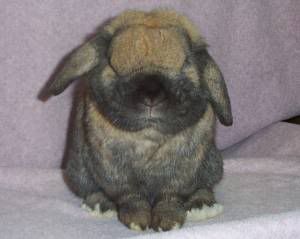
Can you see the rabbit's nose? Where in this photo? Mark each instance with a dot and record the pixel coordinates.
(152, 92)
(153, 95)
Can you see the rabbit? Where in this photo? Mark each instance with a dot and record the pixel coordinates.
(143, 141)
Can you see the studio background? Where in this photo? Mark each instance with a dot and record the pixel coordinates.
(255, 43)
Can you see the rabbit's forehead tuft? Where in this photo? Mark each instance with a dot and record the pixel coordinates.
(157, 18)
(141, 47)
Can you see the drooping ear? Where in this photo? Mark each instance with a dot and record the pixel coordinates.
(79, 62)
(214, 81)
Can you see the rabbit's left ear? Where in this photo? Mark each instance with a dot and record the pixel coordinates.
(79, 62)
(214, 81)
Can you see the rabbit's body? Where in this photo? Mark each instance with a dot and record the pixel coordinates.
(143, 136)
(147, 161)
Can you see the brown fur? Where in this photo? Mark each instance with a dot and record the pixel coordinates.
(158, 18)
(139, 46)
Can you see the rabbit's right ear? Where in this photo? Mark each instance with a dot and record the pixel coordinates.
(79, 62)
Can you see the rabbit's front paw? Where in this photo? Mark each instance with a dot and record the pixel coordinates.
(97, 204)
(202, 205)
(137, 219)
(205, 212)
(167, 216)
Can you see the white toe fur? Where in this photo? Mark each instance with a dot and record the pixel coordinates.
(135, 227)
(204, 213)
(176, 226)
(86, 207)
(97, 212)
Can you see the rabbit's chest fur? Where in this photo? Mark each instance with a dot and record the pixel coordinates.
(145, 160)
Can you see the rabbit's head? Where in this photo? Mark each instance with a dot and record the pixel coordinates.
(148, 70)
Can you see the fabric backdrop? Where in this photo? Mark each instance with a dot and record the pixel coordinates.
(256, 44)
